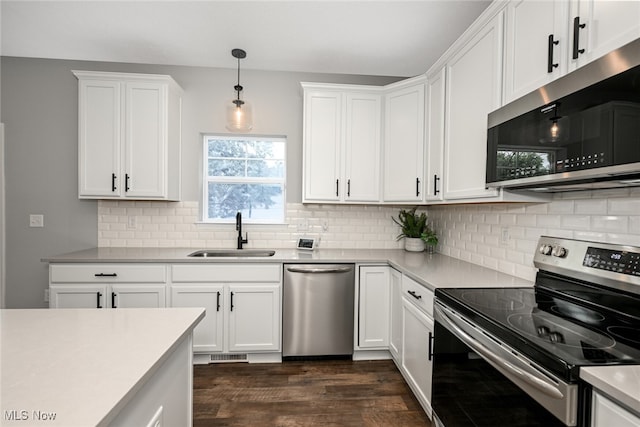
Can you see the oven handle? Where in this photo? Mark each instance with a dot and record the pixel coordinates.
(533, 380)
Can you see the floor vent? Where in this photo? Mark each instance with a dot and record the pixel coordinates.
(217, 358)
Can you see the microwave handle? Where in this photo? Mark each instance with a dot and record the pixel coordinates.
(535, 381)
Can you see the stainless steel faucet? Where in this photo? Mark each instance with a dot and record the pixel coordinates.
(241, 241)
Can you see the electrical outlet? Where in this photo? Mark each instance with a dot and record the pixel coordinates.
(36, 220)
(131, 222)
(46, 295)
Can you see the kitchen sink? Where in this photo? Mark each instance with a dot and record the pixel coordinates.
(221, 253)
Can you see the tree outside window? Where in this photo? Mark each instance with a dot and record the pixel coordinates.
(244, 174)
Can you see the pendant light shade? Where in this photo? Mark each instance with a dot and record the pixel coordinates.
(239, 114)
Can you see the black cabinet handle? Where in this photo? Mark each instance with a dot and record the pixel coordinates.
(231, 301)
(348, 188)
(106, 275)
(550, 63)
(113, 182)
(337, 187)
(218, 302)
(576, 37)
(435, 185)
(98, 295)
(430, 355)
(413, 294)
(417, 187)
(113, 300)
(127, 178)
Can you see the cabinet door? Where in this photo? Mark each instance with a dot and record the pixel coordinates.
(138, 296)
(361, 182)
(395, 339)
(416, 347)
(607, 413)
(322, 145)
(208, 334)
(404, 145)
(373, 307)
(608, 26)
(474, 86)
(78, 296)
(529, 25)
(99, 138)
(145, 140)
(254, 317)
(435, 135)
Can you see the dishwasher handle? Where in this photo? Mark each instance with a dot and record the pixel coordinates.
(315, 270)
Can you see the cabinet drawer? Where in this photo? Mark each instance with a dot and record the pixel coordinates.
(107, 273)
(418, 294)
(226, 273)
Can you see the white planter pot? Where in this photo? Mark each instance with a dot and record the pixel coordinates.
(413, 244)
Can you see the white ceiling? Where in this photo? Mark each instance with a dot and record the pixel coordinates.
(373, 37)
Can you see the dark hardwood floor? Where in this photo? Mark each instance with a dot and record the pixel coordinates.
(308, 393)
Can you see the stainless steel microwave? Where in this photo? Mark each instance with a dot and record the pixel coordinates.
(579, 132)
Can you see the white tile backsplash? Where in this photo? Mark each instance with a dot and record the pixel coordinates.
(605, 216)
(175, 224)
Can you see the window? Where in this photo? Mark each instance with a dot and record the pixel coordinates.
(244, 174)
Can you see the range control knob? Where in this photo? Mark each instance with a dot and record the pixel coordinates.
(545, 249)
(559, 251)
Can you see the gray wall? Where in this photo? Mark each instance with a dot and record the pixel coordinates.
(39, 107)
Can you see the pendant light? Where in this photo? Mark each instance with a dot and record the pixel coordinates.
(239, 116)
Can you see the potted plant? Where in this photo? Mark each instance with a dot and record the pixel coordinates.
(430, 239)
(412, 227)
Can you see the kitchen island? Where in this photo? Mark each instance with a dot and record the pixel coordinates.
(88, 367)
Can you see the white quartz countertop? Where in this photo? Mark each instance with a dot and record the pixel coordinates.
(433, 271)
(82, 365)
(622, 383)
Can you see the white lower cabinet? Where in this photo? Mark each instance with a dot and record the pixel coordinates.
(373, 307)
(254, 317)
(606, 412)
(207, 336)
(395, 329)
(417, 336)
(242, 302)
(107, 286)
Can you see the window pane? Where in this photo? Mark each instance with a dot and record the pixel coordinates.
(226, 148)
(265, 168)
(224, 167)
(265, 149)
(262, 202)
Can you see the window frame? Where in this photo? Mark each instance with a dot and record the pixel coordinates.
(205, 178)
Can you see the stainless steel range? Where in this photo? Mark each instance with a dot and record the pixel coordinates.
(513, 356)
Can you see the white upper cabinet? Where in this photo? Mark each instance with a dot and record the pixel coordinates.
(547, 39)
(362, 148)
(536, 45)
(473, 89)
(341, 143)
(608, 25)
(435, 135)
(322, 145)
(403, 150)
(129, 136)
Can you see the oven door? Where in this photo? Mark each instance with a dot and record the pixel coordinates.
(478, 381)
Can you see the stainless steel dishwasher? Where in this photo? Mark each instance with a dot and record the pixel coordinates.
(318, 310)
